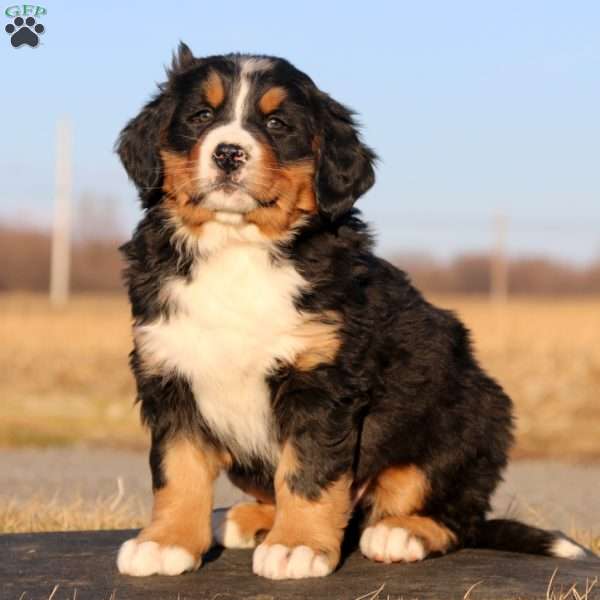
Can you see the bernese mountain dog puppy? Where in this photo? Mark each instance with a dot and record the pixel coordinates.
(272, 344)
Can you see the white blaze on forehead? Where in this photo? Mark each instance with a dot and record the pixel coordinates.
(249, 67)
(232, 132)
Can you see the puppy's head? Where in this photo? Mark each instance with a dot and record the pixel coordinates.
(245, 139)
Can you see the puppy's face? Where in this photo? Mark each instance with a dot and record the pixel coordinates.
(243, 139)
(239, 146)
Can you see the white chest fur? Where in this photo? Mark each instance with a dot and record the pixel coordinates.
(231, 322)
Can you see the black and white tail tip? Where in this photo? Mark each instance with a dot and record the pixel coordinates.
(563, 548)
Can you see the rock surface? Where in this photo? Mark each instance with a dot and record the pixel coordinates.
(82, 565)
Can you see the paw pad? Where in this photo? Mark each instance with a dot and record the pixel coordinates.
(24, 31)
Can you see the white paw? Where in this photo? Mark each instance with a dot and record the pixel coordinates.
(391, 544)
(149, 558)
(226, 532)
(282, 562)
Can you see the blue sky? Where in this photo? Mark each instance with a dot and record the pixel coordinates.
(474, 107)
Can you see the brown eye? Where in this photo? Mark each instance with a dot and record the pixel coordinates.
(202, 116)
(275, 123)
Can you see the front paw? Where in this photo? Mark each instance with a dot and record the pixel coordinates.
(142, 558)
(284, 562)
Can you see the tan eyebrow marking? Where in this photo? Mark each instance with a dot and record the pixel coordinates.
(272, 99)
(213, 89)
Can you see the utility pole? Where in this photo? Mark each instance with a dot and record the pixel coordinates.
(499, 264)
(60, 264)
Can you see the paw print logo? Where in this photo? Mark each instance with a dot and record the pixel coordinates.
(24, 31)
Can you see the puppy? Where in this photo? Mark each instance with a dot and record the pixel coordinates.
(270, 342)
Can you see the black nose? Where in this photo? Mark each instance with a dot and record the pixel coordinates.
(229, 157)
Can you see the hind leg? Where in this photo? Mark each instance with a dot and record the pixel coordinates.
(394, 531)
(246, 524)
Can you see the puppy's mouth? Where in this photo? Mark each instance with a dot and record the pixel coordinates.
(228, 189)
(267, 203)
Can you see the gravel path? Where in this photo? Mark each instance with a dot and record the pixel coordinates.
(549, 494)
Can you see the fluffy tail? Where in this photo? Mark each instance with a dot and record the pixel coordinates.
(512, 536)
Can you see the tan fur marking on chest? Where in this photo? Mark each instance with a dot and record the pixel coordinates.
(322, 335)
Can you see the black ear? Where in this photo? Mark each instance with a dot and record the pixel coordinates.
(183, 59)
(345, 169)
(138, 145)
(138, 148)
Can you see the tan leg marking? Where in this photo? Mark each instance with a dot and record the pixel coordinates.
(397, 491)
(252, 518)
(437, 537)
(405, 539)
(242, 525)
(180, 530)
(306, 537)
(395, 532)
(181, 511)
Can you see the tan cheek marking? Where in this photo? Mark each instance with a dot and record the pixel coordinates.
(213, 89)
(319, 523)
(179, 173)
(321, 337)
(398, 491)
(272, 99)
(182, 507)
(437, 537)
(293, 186)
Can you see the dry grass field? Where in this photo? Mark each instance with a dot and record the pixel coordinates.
(65, 376)
(39, 514)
